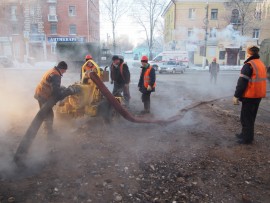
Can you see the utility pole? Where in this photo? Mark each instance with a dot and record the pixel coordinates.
(88, 26)
(206, 22)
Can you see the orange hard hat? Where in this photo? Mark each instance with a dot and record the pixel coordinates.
(87, 57)
(144, 58)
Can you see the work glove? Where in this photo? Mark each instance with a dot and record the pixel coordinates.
(149, 88)
(235, 101)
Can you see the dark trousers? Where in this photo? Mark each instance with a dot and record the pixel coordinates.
(48, 121)
(119, 88)
(213, 76)
(248, 117)
(146, 101)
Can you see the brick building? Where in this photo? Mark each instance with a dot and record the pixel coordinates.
(30, 29)
(11, 26)
(69, 21)
(215, 29)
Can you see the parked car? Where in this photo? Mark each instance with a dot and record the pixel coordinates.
(5, 62)
(164, 56)
(172, 67)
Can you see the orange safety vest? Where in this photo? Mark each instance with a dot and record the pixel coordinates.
(146, 77)
(121, 70)
(257, 83)
(44, 89)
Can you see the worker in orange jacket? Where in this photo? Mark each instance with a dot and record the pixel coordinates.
(48, 87)
(250, 89)
(147, 83)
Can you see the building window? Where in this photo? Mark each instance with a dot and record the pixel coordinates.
(72, 11)
(258, 14)
(191, 13)
(256, 33)
(190, 32)
(214, 14)
(53, 28)
(72, 30)
(32, 11)
(235, 17)
(14, 13)
(34, 28)
(52, 10)
(222, 55)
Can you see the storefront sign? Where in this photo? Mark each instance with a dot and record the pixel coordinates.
(66, 39)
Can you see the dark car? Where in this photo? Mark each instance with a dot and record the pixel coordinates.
(5, 62)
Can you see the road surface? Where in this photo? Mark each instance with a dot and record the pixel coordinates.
(195, 159)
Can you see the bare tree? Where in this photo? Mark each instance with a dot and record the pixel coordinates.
(244, 15)
(114, 10)
(147, 13)
(124, 43)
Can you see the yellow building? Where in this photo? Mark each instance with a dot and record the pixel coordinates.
(219, 28)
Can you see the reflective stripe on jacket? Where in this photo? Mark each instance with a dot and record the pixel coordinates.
(257, 83)
(147, 78)
(44, 88)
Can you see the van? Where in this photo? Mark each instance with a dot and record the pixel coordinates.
(165, 56)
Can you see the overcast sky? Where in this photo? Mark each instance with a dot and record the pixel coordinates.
(125, 26)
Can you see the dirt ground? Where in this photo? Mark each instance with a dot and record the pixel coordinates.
(195, 159)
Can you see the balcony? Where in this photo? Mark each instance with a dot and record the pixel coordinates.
(52, 18)
(35, 38)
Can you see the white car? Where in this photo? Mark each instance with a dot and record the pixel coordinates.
(172, 67)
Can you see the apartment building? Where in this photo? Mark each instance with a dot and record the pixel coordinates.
(11, 26)
(71, 21)
(31, 28)
(215, 28)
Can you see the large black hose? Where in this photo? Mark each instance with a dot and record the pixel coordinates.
(31, 132)
(119, 108)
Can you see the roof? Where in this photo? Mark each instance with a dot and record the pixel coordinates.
(167, 8)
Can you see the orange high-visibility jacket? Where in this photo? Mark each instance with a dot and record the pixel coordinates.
(257, 83)
(44, 88)
(146, 78)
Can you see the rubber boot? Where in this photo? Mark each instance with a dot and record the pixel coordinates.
(147, 107)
